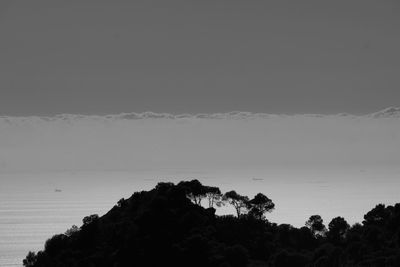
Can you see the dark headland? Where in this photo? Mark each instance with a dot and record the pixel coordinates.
(170, 226)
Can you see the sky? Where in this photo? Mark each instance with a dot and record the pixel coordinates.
(103, 57)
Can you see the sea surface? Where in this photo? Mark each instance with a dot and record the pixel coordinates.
(34, 206)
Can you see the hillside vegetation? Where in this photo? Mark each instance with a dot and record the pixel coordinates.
(176, 225)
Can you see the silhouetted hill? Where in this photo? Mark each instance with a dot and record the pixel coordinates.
(167, 227)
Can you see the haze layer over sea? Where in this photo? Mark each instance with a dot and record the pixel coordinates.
(56, 170)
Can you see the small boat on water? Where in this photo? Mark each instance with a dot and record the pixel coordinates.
(57, 190)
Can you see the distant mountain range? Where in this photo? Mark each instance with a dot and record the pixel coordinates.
(391, 112)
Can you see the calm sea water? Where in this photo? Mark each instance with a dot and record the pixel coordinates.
(31, 210)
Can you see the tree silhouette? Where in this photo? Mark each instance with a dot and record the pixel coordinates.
(30, 259)
(89, 219)
(316, 225)
(195, 191)
(74, 229)
(377, 215)
(259, 205)
(239, 202)
(214, 196)
(337, 229)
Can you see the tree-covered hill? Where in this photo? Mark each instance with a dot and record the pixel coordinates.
(168, 226)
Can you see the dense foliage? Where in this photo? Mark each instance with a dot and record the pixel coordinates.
(167, 226)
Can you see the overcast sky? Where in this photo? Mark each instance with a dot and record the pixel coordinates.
(98, 57)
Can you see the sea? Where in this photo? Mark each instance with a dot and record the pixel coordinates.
(34, 206)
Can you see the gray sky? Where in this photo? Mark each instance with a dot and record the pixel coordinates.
(98, 57)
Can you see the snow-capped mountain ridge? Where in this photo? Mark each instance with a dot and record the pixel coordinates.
(391, 112)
